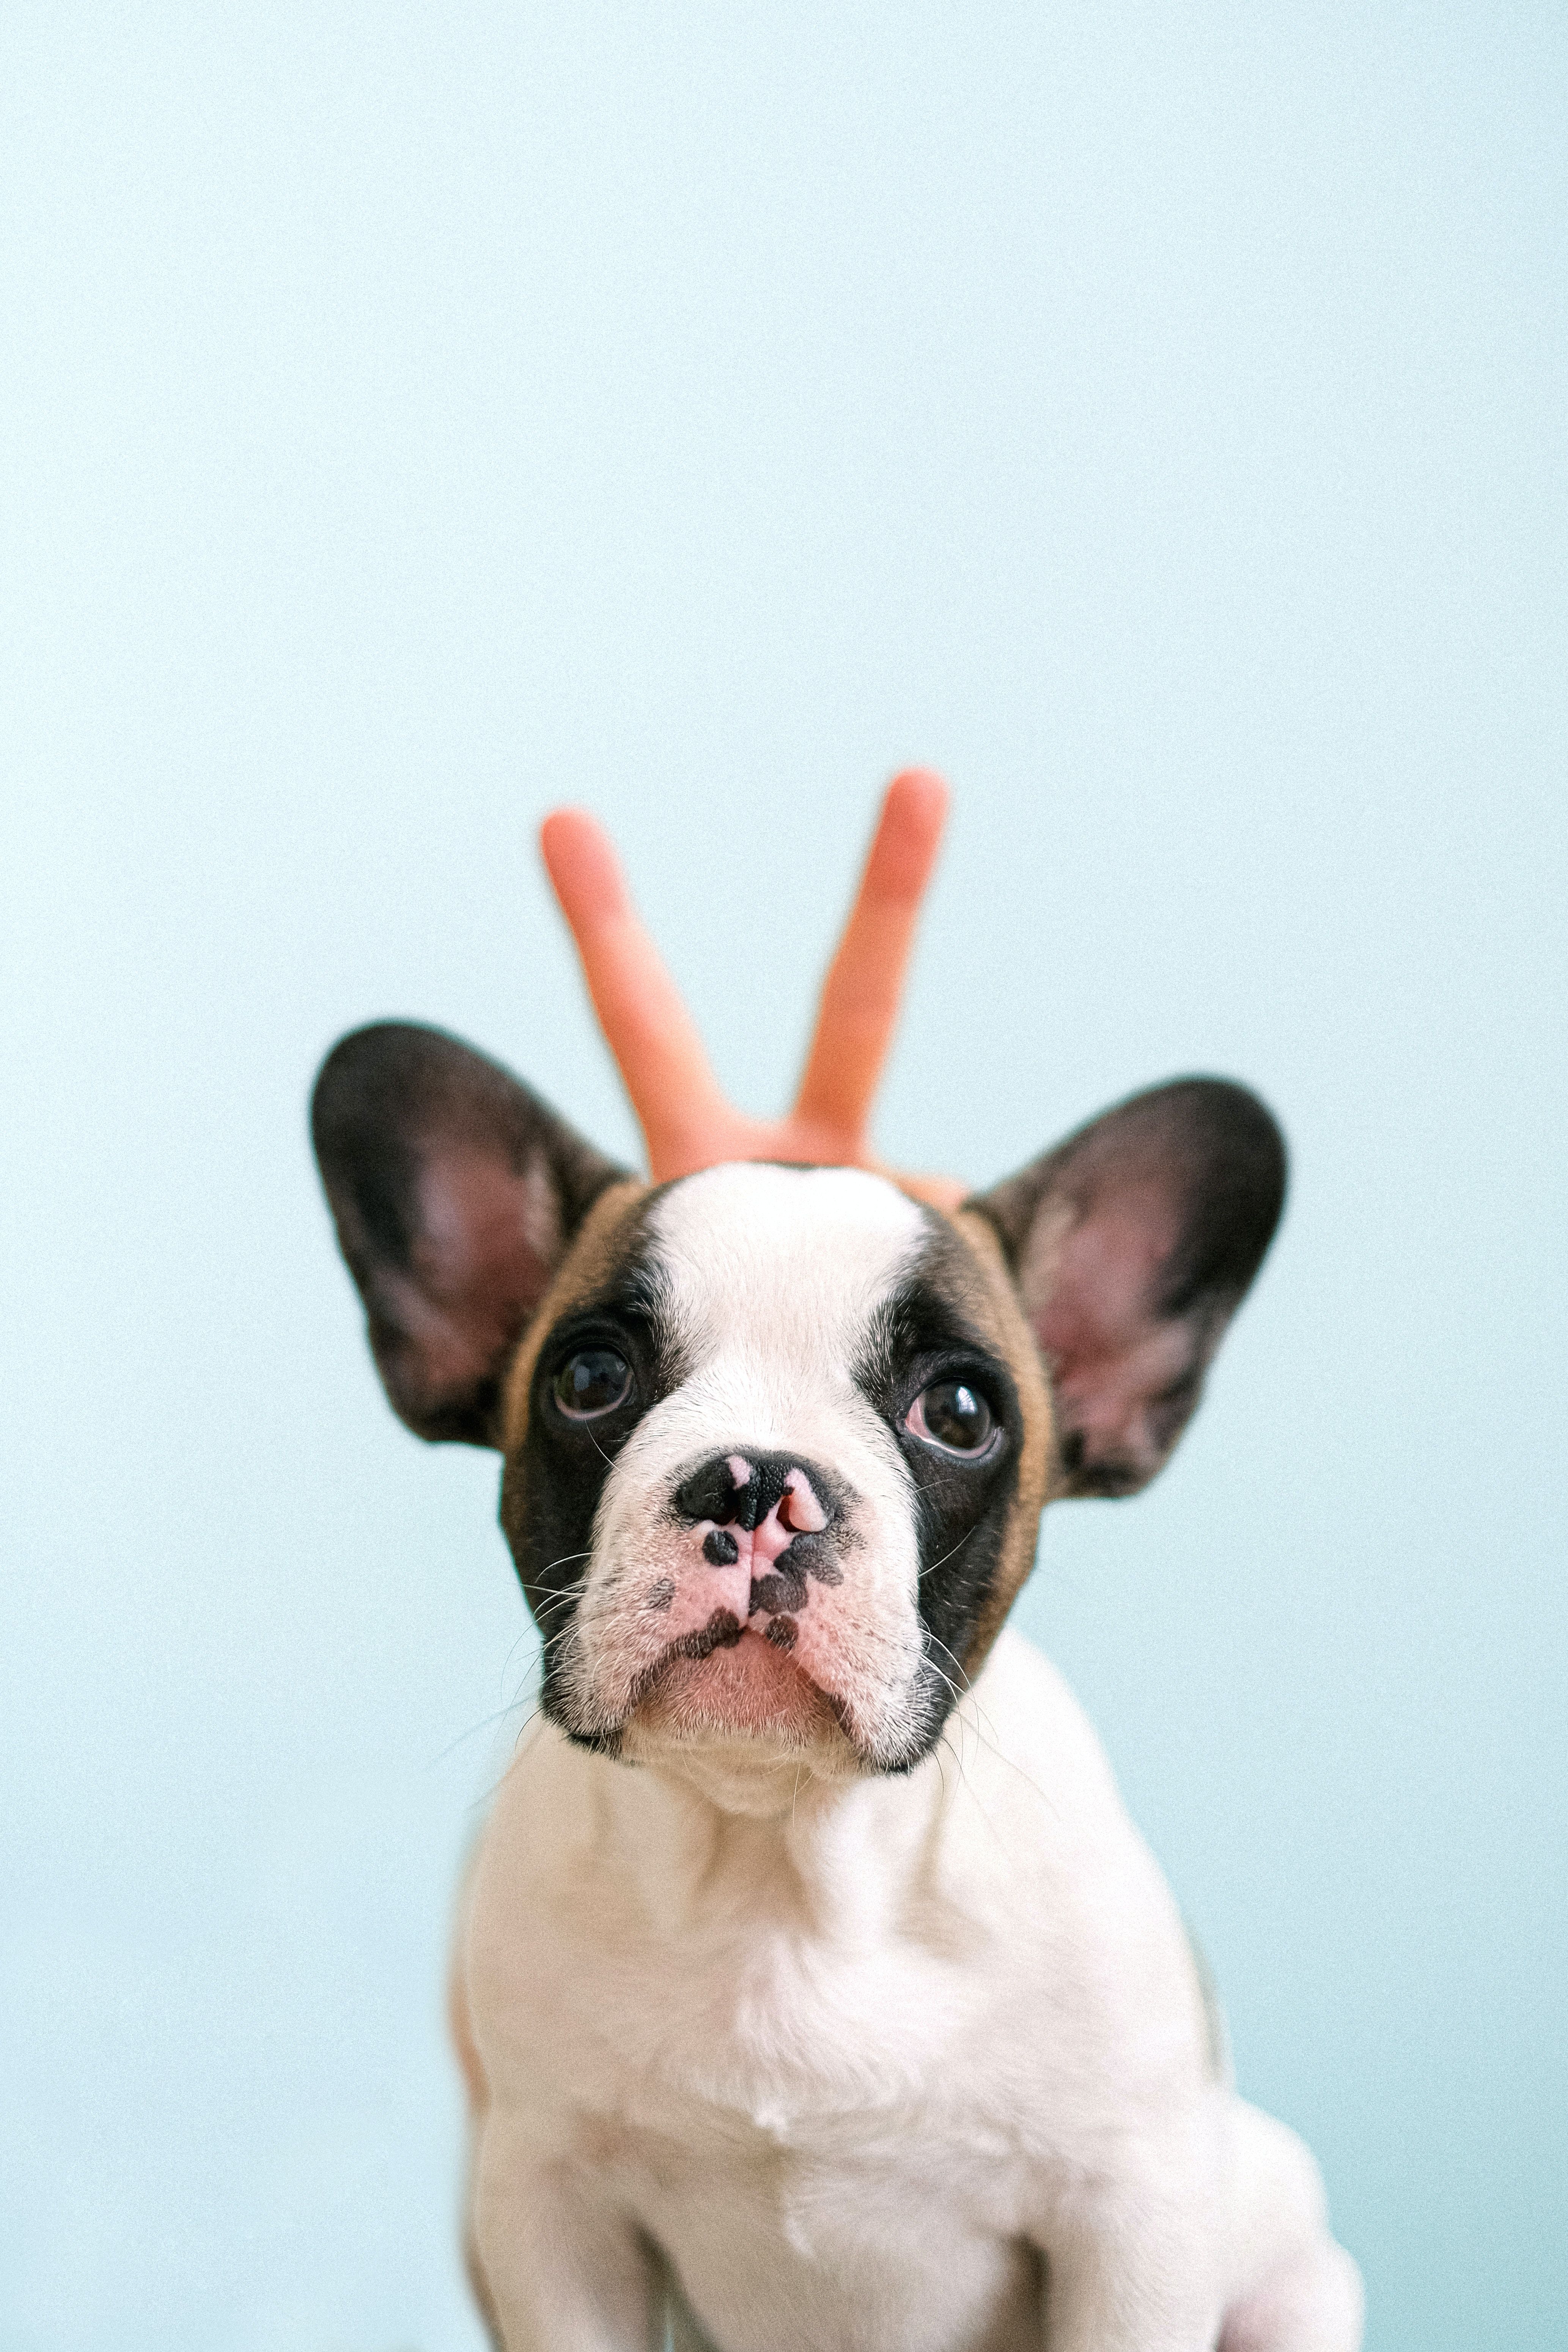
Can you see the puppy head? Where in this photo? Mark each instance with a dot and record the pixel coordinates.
(776, 1440)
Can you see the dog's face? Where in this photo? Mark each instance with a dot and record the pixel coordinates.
(776, 1440)
(777, 1437)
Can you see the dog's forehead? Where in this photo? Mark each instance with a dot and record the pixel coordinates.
(799, 1256)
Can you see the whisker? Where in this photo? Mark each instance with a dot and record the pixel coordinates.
(506, 1661)
(973, 1717)
(558, 1600)
(486, 1723)
(565, 1558)
(944, 1561)
(488, 1794)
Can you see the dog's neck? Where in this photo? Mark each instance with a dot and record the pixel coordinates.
(722, 1829)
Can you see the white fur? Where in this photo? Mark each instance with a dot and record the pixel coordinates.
(853, 2065)
(875, 2063)
(773, 1275)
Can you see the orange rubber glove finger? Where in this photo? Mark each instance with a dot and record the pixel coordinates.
(679, 1107)
(860, 1006)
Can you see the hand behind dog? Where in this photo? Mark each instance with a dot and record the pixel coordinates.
(686, 1120)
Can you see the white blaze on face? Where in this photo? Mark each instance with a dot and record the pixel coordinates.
(771, 1279)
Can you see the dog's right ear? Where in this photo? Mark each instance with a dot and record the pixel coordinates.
(457, 1194)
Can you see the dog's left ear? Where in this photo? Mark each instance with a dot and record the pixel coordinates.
(1132, 1245)
(457, 1194)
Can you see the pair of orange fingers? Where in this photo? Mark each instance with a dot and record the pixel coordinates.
(685, 1119)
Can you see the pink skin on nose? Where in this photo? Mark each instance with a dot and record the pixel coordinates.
(709, 1585)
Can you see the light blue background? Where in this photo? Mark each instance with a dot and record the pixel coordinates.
(414, 418)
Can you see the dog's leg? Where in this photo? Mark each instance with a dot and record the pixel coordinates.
(1100, 2304)
(551, 2267)
(1312, 2303)
(562, 2270)
(1132, 2271)
(1296, 2291)
(478, 2089)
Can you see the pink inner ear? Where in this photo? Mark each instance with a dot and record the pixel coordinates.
(479, 1267)
(1109, 1356)
(1090, 1298)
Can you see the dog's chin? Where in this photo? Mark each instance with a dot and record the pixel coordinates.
(746, 1690)
(746, 1709)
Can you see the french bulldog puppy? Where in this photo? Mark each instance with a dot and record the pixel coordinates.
(812, 1986)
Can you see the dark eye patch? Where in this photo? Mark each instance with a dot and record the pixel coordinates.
(951, 1404)
(609, 1360)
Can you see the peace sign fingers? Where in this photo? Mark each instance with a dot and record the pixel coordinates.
(682, 1112)
(685, 1118)
(860, 1006)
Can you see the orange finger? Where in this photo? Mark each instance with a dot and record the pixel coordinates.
(653, 1039)
(859, 1007)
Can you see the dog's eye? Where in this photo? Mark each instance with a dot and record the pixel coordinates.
(952, 1415)
(593, 1380)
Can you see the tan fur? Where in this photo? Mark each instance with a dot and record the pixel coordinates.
(585, 1266)
(1002, 1319)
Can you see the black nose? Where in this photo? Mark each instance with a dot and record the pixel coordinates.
(714, 1492)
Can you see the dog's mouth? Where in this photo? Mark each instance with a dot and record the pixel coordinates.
(750, 1611)
(730, 1680)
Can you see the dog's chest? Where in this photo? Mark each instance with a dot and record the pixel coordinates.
(844, 2095)
(805, 2127)
(727, 2014)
